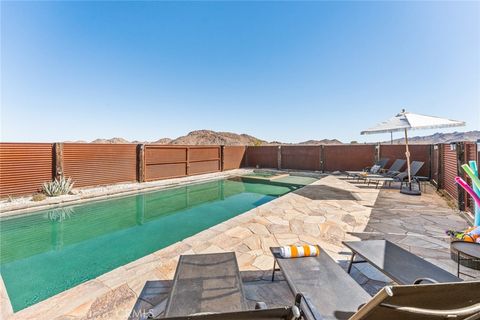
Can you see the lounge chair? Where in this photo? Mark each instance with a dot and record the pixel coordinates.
(329, 293)
(206, 283)
(209, 286)
(394, 169)
(397, 263)
(379, 165)
(415, 166)
(285, 313)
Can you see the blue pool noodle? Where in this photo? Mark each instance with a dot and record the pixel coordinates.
(473, 165)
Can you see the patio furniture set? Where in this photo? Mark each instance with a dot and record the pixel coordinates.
(378, 174)
(209, 286)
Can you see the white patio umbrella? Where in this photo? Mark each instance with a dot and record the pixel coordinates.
(405, 121)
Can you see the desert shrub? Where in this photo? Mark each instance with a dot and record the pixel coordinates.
(39, 197)
(57, 187)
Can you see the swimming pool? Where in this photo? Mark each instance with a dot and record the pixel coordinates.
(47, 252)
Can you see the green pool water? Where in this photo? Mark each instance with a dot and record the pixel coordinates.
(47, 252)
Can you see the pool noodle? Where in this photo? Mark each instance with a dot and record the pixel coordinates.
(471, 174)
(467, 188)
(473, 166)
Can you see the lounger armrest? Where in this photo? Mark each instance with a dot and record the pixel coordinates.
(452, 313)
(420, 280)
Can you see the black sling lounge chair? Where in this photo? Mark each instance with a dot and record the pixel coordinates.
(209, 287)
(286, 313)
(206, 283)
(415, 166)
(379, 165)
(397, 263)
(391, 172)
(329, 293)
(459, 301)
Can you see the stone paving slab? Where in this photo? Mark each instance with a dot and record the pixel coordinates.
(327, 212)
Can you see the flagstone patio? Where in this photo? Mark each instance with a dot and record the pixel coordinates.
(327, 212)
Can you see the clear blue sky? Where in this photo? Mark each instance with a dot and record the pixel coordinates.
(283, 71)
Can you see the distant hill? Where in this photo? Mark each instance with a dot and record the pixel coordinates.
(209, 137)
(323, 141)
(203, 137)
(163, 141)
(441, 138)
(113, 140)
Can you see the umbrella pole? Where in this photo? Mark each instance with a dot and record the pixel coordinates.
(407, 154)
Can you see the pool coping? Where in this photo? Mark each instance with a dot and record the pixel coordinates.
(5, 304)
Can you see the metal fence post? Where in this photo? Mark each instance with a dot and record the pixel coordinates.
(57, 160)
(141, 163)
(460, 148)
(279, 158)
(222, 158)
(322, 158)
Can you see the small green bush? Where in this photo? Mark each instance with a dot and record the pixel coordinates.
(57, 187)
(38, 197)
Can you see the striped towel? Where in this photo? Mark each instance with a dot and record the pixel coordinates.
(299, 251)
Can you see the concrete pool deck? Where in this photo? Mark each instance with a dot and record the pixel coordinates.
(325, 212)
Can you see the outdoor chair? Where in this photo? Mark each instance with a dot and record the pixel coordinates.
(397, 263)
(394, 169)
(209, 286)
(286, 313)
(379, 165)
(415, 167)
(329, 293)
(206, 283)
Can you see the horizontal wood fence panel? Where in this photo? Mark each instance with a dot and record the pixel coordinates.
(418, 152)
(99, 164)
(233, 157)
(24, 167)
(165, 171)
(165, 155)
(262, 156)
(204, 153)
(301, 157)
(163, 162)
(348, 157)
(204, 167)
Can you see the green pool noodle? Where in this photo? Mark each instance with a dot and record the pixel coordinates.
(473, 166)
(471, 174)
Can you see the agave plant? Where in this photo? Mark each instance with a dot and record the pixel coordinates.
(57, 187)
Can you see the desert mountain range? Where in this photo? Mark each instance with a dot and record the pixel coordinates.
(209, 137)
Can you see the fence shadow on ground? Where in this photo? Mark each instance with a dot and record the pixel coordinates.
(322, 192)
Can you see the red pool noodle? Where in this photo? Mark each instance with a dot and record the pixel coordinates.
(467, 188)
